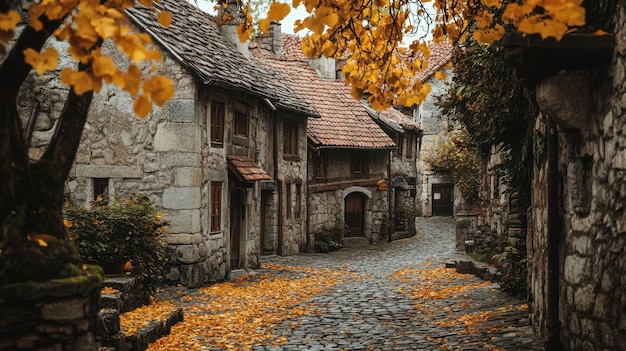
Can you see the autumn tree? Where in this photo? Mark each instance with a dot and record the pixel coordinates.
(33, 239)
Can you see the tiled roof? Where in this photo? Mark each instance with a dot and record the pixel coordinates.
(194, 39)
(440, 55)
(344, 121)
(291, 47)
(246, 169)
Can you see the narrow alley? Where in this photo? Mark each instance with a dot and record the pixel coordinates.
(390, 296)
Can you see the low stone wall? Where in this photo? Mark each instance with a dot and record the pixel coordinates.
(466, 228)
(56, 315)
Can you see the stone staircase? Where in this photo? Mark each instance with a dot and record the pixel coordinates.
(126, 297)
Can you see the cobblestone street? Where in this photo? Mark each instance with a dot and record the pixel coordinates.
(395, 296)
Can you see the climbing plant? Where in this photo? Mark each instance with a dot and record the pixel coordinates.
(456, 154)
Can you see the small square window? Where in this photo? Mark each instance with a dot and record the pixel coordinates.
(217, 123)
(100, 188)
(290, 142)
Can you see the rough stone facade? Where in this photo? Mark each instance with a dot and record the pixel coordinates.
(592, 201)
(327, 196)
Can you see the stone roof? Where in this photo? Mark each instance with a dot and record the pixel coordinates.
(344, 122)
(393, 119)
(246, 169)
(194, 40)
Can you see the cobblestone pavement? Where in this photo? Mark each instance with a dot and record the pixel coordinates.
(401, 298)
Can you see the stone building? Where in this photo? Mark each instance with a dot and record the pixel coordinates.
(437, 191)
(225, 159)
(362, 163)
(577, 242)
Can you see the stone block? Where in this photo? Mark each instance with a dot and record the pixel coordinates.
(181, 159)
(188, 253)
(177, 137)
(182, 110)
(188, 176)
(575, 269)
(181, 198)
(183, 221)
(104, 171)
(65, 310)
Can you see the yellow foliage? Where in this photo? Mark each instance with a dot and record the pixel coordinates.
(41, 62)
(84, 25)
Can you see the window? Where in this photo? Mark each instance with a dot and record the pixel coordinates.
(298, 201)
(358, 165)
(290, 142)
(400, 144)
(410, 145)
(288, 199)
(319, 166)
(241, 124)
(216, 207)
(217, 123)
(100, 188)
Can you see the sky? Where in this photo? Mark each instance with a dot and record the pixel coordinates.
(287, 23)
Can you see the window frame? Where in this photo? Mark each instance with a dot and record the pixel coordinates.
(241, 121)
(217, 120)
(320, 166)
(358, 158)
(291, 142)
(216, 208)
(288, 197)
(100, 188)
(298, 207)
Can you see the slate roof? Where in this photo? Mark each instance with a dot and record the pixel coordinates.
(194, 40)
(344, 122)
(246, 169)
(392, 118)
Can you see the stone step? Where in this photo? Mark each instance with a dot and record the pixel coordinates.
(108, 323)
(140, 340)
(131, 295)
(355, 241)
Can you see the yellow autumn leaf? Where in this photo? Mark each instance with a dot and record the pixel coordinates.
(42, 243)
(440, 75)
(67, 223)
(264, 24)
(103, 66)
(106, 27)
(165, 18)
(142, 106)
(9, 20)
(41, 62)
(132, 78)
(159, 88)
(278, 11)
(82, 82)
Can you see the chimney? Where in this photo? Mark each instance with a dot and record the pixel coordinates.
(229, 18)
(272, 38)
(324, 67)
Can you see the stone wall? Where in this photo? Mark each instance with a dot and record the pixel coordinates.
(592, 173)
(326, 199)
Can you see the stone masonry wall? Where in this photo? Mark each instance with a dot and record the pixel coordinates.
(592, 172)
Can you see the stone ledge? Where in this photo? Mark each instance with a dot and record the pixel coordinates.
(144, 336)
(479, 269)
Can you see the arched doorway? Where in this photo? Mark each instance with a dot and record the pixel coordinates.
(355, 214)
(236, 219)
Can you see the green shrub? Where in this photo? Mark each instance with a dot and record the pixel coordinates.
(514, 269)
(329, 240)
(118, 230)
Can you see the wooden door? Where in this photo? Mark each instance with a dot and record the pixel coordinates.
(443, 199)
(355, 214)
(236, 214)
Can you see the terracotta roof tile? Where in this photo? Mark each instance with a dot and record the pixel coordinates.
(440, 55)
(194, 40)
(246, 169)
(344, 121)
(291, 47)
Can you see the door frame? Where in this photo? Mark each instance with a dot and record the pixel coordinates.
(451, 206)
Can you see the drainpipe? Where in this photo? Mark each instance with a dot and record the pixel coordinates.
(389, 198)
(279, 188)
(307, 224)
(553, 341)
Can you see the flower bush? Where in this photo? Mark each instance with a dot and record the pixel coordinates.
(120, 230)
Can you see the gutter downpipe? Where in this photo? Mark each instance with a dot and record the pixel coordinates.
(553, 338)
(389, 199)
